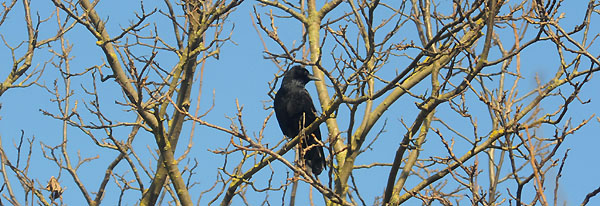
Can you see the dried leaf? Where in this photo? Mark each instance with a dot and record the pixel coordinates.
(54, 187)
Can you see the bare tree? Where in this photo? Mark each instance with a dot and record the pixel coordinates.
(446, 83)
(22, 75)
(154, 94)
(466, 54)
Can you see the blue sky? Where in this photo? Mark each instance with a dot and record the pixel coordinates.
(242, 73)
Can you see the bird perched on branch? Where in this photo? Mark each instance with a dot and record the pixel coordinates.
(294, 110)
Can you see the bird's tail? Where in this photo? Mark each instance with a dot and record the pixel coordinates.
(314, 156)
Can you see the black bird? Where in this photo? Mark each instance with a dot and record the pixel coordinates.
(294, 110)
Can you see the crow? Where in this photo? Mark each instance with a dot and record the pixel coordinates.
(294, 110)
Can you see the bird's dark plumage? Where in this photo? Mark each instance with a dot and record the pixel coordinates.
(294, 110)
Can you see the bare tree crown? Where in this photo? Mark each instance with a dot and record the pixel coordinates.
(447, 95)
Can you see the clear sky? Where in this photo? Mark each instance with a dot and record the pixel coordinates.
(241, 73)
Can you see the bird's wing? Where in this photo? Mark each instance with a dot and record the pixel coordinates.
(301, 102)
(293, 106)
(302, 107)
(283, 117)
(314, 156)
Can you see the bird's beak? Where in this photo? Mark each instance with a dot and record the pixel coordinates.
(312, 77)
